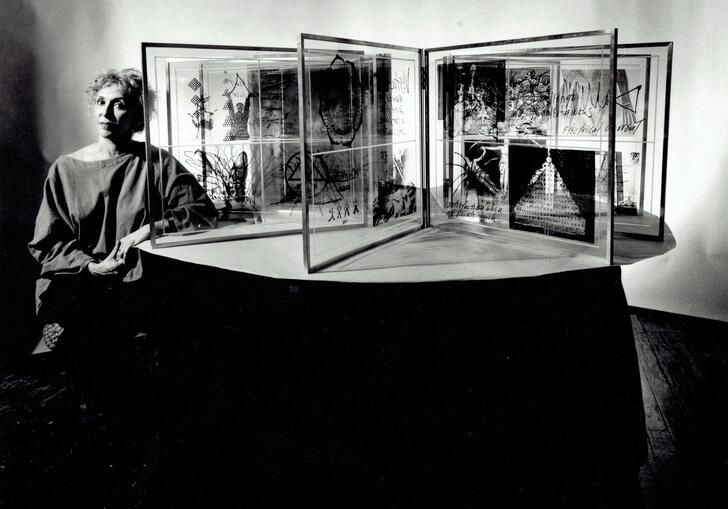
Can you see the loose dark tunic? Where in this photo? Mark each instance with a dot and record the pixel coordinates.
(90, 205)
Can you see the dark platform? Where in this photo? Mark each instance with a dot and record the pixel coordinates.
(283, 393)
(450, 393)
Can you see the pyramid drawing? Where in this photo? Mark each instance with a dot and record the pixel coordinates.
(548, 204)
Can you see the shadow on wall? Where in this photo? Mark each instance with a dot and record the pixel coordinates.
(23, 170)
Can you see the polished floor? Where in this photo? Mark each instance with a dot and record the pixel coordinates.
(52, 423)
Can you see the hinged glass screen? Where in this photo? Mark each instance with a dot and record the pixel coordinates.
(642, 98)
(229, 118)
(361, 116)
(521, 143)
(641, 153)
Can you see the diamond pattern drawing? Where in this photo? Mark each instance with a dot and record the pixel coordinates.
(194, 84)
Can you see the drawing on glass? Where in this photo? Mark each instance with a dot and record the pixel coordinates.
(627, 172)
(479, 190)
(201, 116)
(403, 101)
(335, 183)
(529, 100)
(479, 108)
(552, 191)
(292, 181)
(278, 104)
(396, 196)
(395, 99)
(238, 110)
(336, 187)
(214, 101)
(584, 102)
(383, 118)
(340, 100)
(224, 171)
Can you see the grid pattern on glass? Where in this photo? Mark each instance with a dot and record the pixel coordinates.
(229, 117)
(520, 138)
(361, 114)
(552, 191)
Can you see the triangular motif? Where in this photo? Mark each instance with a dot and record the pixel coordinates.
(548, 204)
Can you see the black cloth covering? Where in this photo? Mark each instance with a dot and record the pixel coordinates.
(517, 392)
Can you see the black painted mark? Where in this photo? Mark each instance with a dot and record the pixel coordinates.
(340, 101)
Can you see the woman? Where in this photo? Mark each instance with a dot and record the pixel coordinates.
(94, 213)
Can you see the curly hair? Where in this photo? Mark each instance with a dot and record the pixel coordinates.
(130, 82)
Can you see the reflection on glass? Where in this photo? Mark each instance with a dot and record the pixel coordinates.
(521, 140)
(230, 116)
(363, 165)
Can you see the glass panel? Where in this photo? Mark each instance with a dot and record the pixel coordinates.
(520, 143)
(361, 111)
(229, 117)
(641, 160)
(642, 84)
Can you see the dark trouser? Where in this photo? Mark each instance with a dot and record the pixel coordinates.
(115, 373)
(96, 312)
(102, 318)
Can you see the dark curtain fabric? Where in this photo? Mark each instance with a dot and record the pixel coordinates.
(455, 394)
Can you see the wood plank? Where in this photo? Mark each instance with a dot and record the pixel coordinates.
(657, 382)
(659, 474)
(682, 377)
(637, 325)
(653, 417)
(684, 364)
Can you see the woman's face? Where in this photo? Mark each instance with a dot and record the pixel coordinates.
(115, 119)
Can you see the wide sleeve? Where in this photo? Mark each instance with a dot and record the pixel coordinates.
(55, 244)
(186, 205)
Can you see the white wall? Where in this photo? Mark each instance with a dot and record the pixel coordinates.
(78, 37)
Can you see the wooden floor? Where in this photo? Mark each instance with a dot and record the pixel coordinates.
(683, 365)
(49, 426)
